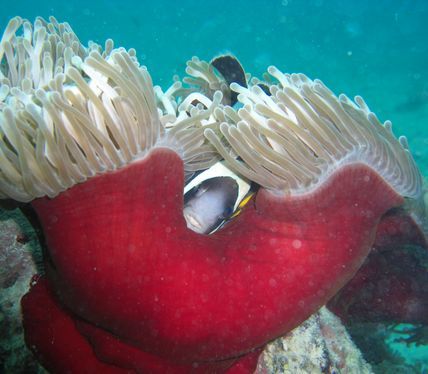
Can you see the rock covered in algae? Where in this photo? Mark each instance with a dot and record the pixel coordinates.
(19, 255)
(319, 345)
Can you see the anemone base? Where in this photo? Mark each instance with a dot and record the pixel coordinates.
(121, 258)
(57, 339)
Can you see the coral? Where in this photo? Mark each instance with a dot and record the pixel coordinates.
(380, 347)
(19, 259)
(413, 334)
(319, 345)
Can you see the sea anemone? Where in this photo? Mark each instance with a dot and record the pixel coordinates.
(69, 112)
(102, 156)
(292, 139)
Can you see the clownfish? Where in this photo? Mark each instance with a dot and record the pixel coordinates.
(213, 197)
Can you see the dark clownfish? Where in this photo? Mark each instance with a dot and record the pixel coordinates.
(213, 197)
(217, 194)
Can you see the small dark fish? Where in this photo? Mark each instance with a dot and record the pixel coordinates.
(232, 71)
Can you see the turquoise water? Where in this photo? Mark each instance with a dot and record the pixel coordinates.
(375, 49)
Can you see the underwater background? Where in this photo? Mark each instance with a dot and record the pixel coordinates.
(378, 50)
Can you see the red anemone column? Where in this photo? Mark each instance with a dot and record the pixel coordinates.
(123, 260)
